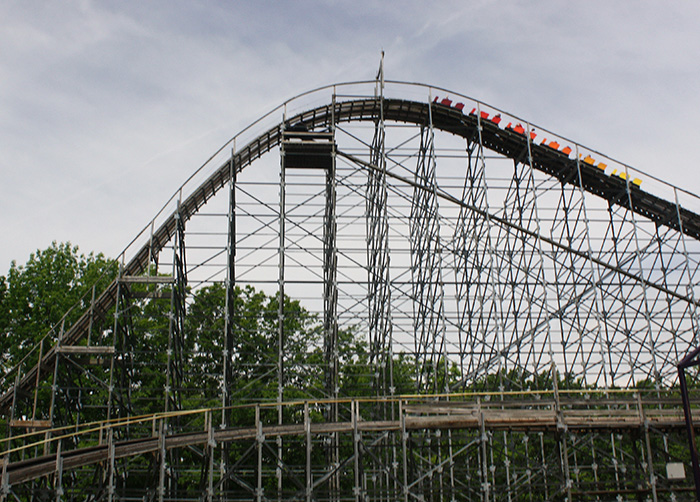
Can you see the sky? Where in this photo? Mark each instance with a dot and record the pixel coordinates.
(107, 107)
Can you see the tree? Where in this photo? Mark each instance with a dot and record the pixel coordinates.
(253, 362)
(54, 286)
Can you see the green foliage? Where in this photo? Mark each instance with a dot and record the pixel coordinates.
(144, 333)
(253, 358)
(35, 297)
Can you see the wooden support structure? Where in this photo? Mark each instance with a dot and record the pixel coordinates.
(528, 296)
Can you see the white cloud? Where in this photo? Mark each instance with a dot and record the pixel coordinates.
(106, 107)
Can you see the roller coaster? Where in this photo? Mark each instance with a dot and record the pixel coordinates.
(457, 305)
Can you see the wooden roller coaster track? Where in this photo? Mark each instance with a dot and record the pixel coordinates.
(508, 142)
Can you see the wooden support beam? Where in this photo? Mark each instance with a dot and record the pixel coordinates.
(146, 279)
(31, 424)
(85, 350)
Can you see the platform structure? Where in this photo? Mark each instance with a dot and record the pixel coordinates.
(398, 294)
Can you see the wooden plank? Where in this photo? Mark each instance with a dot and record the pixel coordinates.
(85, 350)
(31, 424)
(146, 279)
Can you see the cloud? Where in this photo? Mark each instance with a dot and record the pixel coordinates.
(106, 107)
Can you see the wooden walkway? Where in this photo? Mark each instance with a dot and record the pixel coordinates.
(512, 416)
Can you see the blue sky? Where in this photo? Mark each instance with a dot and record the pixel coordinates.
(106, 107)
